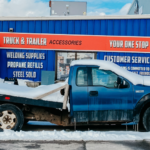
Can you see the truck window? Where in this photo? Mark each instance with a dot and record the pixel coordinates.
(82, 76)
(103, 78)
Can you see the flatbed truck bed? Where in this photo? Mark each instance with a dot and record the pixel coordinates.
(29, 101)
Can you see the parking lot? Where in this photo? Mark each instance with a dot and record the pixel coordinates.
(69, 145)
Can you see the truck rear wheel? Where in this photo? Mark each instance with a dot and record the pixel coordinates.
(11, 117)
(146, 119)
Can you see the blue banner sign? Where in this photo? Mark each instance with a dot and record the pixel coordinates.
(135, 62)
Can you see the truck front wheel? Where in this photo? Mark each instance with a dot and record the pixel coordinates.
(146, 119)
(11, 117)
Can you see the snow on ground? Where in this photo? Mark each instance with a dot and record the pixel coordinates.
(1, 80)
(22, 82)
(74, 136)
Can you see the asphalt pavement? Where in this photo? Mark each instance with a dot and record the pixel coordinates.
(40, 145)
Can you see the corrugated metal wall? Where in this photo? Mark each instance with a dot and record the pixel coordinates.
(26, 27)
(124, 27)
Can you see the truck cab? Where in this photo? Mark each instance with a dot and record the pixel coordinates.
(103, 93)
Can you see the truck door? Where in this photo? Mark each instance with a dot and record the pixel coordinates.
(107, 102)
(79, 94)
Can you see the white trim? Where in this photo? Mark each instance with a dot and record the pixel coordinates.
(72, 50)
(74, 34)
(76, 17)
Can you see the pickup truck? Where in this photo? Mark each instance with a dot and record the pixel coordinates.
(99, 92)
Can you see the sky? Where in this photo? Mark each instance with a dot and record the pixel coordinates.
(38, 8)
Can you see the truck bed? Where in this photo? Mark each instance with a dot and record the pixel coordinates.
(28, 101)
(27, 95)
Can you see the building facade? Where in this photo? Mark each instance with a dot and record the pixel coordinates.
(139, 7)
(30, 45)
(66, 8)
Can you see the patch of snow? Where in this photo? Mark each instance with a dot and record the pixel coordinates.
(22, 82)
(74, 136)
(106, 65)
(24, 91)
(8, 82)
(1, 80)
(68, 106)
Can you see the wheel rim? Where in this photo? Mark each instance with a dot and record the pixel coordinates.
(7, 119)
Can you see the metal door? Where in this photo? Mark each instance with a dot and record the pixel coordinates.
(107, 102)
(79, 93)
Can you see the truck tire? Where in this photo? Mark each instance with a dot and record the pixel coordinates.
(146, 119)
(11, 117)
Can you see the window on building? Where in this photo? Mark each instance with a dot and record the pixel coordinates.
(64, 60)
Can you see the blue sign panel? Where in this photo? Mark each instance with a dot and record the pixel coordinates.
(26, 64)
(135, 62)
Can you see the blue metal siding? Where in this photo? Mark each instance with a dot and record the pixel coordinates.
(143, 27)
(1, 26)
(71, 27)
(97, 27)
(12, 25)
(83, 27)
(136, 27)
(51, 27)
(5, 26)
(31, 26)
(58, 27)
(44, 26)
(77, 27)
(132, 27)
(110, 27)
(117, 29)
(64, 27)
(90, 27)
(128, 27)
(25, 26)
(18, 26)
(148, 28)
(104, 27)
(122, 27)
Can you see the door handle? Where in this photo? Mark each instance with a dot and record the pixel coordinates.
(93, 93)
